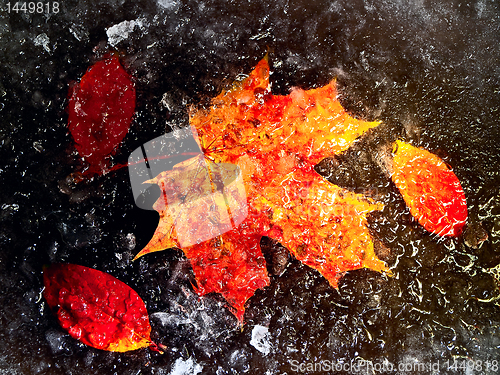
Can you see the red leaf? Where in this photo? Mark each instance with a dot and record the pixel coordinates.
(96, 308)
(100, 109)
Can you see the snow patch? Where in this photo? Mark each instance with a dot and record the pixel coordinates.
(122, 30)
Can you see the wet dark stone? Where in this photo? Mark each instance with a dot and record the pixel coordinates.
(277, 256)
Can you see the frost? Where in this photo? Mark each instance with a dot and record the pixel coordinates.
(121, 31)
(188, 367)
(42, 40)
(260, 339)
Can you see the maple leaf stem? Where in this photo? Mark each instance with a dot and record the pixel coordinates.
(160, 348)
(117, 167)
(205, 149)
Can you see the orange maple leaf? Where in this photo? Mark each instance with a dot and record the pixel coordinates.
(275, 141)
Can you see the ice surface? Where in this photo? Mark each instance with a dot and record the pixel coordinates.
(79, 32)
(204, 320)
(58, 341)
(428, 70)
(168, 4)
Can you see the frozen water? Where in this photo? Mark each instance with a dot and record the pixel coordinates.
(58, 341)
(167, 319)
(79, 32)
(168, 4)
(428, 70)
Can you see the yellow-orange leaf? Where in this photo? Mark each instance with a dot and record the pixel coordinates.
(430, 189)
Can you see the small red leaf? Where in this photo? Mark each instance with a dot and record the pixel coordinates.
(96, 308)
(100, 109)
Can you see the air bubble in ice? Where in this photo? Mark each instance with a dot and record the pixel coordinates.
(238, 360)
(79, 32)
(167, 4)
(169, 320)
(38, 146)
(125, 241)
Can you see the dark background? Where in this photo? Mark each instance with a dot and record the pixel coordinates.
(429, 70)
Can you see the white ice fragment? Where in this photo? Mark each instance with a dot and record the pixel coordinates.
(79, 32)
(130, 241)
(167, 319)
(188, 367)
(163, 317)
(42, 40)
(260, 339)
(121, 31)
(167, 4)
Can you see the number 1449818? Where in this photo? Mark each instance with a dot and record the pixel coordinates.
(33, 7)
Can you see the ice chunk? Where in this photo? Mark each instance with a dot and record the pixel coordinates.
(42, 40)
(260, 339)
(167, 4)
(121, 31)
(188, 367)
(79, 32)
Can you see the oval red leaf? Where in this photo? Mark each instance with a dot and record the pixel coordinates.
(430, 189)
(100, 109)
(96, 308)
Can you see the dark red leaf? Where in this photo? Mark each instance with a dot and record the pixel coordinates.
(101, 108)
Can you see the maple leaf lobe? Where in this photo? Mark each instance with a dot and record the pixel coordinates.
(276, 141)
